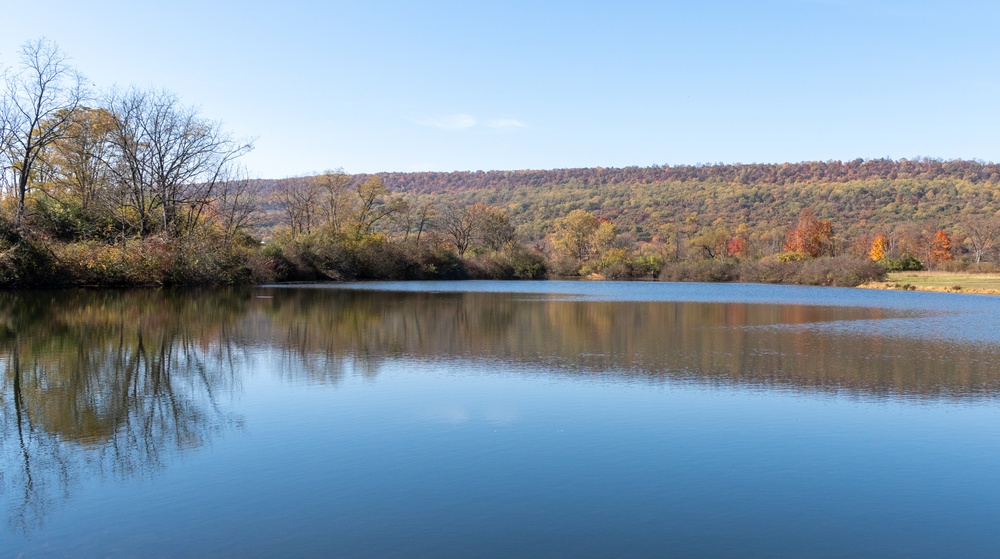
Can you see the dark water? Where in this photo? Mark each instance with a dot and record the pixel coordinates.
(482, 419)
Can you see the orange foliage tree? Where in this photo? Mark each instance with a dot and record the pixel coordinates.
(941, 247)
(810, 236)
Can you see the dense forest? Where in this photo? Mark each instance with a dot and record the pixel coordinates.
(861, 196)
(130, 186)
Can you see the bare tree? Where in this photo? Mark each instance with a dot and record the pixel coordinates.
(495, 231)
(238, 204)
(375, 204)
(336, 199)
(462, 224)
(982, 234)
(167, 159)
(425, 214)
(37, 109)
(416, 217)
(298, 201)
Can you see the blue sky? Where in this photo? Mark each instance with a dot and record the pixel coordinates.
(408, 86)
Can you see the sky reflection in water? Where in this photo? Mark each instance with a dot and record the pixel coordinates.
(499, 419)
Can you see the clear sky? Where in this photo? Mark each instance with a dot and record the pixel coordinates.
(466, 85)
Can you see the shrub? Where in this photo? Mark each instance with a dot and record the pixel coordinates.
(983, 268)
(488, 266)
(768, 271)
(528, 264)
(565, 266)
(27, 262)
(620, 270)
(648, 265)
(705, 270)
(845, 271)
(309, 258)
(376, 258)
(789, 257)
(905, 263)
(952, 266)
(437, 262)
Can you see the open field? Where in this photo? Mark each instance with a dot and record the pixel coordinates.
(955, 282)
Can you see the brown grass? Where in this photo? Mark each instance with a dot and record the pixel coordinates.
(953, 282)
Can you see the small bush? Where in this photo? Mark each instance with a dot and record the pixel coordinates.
(789, 257)
(705, 270)
(844, 271)
(769, 271)
(983, 268)
(376, 258)
(952, 266)
(648, 266)
(565, 266)
(621, 270)
(310, 258)
(437, 262)
(159, 261)
(528, 264)
(27, 262)
(905, 263)
(488, 266)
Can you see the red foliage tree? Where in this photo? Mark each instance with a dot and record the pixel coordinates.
(737, 246)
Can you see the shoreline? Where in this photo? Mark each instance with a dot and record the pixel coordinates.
(939, 282)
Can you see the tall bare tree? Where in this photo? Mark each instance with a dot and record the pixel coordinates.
(37, 110)
(495, 231)
(982, 234)
(336, 199)
(464, 225)
(168, 160)
(238, 204)
(417, 216)
(298, 200)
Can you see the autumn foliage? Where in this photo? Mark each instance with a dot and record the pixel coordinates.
(810, 236)
(941, 247)
(880, 248)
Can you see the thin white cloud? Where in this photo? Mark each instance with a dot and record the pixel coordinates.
(462, 121)
(506, 123)
(447, 122)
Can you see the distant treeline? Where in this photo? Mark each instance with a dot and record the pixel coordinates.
(738, 173)
(859, 197)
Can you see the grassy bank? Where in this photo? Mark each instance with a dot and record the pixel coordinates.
(953, 282)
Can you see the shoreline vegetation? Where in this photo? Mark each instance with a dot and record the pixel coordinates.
(131, 187)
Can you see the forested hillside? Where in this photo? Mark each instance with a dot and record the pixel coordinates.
(859, 197)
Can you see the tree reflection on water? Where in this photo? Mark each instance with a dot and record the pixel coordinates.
(107, 384)
(797, 347)
(100, 384)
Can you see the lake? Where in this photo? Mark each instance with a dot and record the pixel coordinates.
(499, 419)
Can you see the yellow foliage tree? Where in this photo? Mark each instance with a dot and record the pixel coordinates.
(879, 248)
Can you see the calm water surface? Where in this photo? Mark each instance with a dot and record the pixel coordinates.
(486, 419)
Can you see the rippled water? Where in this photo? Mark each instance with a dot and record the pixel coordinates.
(478, 419)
